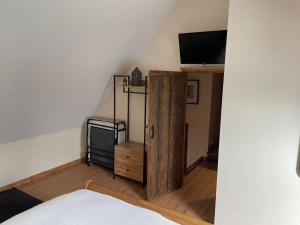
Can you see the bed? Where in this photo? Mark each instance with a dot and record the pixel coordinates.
(99, 206)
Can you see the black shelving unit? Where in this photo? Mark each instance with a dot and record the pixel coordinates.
(99, 145)
(131, 90)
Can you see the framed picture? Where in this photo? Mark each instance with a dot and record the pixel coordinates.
(192, 92)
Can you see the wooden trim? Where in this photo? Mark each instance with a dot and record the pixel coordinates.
(186, 138)
(43, 174)
(174, 216)
(191, 167)
(165, 73)
(202, 68)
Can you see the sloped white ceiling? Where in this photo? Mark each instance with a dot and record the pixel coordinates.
(56, 57)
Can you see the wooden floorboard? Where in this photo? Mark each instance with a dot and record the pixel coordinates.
(196, 198)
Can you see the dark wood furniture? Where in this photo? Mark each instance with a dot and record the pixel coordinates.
(166, 125)
(215, 116)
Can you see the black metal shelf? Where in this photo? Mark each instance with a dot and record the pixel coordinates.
(128, 89)
(134, 92)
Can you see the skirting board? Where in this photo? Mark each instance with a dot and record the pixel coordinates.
(42, 174)
(191, 167)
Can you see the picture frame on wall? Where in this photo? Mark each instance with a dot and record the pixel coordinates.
(192, 92)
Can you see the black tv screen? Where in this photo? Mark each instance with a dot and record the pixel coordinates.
(203, 47)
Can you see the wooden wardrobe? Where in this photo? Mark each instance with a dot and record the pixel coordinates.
(165, 136)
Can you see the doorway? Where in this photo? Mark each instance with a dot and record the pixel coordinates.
(203, 119)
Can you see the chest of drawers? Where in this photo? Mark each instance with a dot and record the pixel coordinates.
(129, 161)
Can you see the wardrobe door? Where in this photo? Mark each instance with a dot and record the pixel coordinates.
(165, 136)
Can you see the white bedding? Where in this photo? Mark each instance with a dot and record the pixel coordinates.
(86, 207)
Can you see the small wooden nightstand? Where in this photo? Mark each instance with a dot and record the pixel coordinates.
(129, 160)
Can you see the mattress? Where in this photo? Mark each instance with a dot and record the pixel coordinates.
(84, 207)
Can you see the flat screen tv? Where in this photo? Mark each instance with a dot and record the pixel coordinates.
(203, 47)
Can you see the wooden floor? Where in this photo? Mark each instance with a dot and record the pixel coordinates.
(196, 198)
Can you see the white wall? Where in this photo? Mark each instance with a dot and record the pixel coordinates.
(257, 179)
(198, 119)
(56, 56)
(24, 158)
(163, 54)
(188, 16)
(105, 109)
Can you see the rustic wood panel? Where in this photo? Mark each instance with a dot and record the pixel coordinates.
(177, 130)
(152, 137)
(163, 135)
(167, 100)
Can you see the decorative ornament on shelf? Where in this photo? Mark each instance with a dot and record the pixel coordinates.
(125, 83)
(136, 77)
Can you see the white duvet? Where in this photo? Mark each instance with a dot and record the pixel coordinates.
(86, 207)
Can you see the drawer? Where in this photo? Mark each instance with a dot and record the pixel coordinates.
(129, 160)
(136, 151)
(128, 163)
(129, 173)
(129, 156)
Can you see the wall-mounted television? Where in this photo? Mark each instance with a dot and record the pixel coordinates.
(203, 47)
